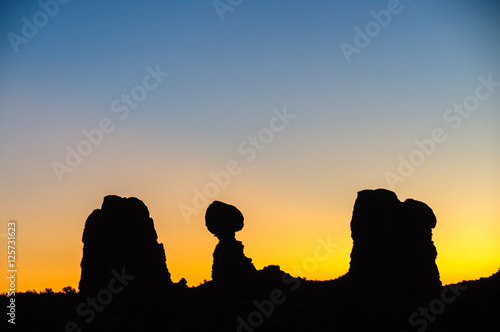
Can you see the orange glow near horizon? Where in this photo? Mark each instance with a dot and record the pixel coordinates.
(271, 88)
(271, 236)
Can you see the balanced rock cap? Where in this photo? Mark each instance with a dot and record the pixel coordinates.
(223, 220)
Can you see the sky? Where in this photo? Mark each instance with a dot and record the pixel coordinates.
(285, 109)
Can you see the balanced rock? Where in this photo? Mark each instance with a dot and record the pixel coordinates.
(230, 263)
(393, 246)
(120, 242)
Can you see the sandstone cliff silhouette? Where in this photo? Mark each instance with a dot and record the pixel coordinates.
(230, 263)
(392, 261)
(121, 237)
(392, 244)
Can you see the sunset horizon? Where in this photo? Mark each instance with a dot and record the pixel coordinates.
(197, 271)
(284, 111)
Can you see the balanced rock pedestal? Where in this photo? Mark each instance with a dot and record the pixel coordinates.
(230, 263)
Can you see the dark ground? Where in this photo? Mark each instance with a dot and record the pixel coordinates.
(281, 305)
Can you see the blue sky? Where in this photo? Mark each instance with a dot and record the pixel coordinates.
(352, 122)
(262, 54)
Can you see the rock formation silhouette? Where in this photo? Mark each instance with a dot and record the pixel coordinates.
(387, 288)
(230, 263)
(121, 237)
(393, 246)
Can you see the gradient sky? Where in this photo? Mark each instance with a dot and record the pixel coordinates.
(352, 123)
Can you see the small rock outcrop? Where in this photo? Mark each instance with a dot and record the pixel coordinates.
(393, 246)
(120, 242)
(230, 263)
